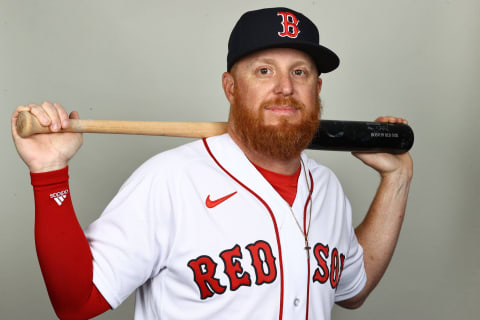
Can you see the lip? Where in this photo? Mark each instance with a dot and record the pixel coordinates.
(282, 109)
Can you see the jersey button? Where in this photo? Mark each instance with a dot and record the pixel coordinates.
(296, 302)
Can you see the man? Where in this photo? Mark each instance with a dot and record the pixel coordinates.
(234, 226)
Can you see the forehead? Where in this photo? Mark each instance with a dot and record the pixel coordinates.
(278, 56)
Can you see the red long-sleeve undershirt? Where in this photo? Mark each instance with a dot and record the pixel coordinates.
(63, 252)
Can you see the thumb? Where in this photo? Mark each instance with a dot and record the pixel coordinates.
(66, 122)
(74, 115)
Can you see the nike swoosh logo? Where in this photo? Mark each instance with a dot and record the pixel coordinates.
(213, 203)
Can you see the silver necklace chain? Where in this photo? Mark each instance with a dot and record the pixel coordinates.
(305, 232)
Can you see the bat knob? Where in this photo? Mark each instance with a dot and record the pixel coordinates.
(24, 124)
(28, 124)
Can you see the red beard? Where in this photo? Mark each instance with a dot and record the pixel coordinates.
(283, 141)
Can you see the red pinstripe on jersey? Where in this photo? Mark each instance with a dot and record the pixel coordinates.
(304, 231)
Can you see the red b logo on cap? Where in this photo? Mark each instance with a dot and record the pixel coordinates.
(290, 25)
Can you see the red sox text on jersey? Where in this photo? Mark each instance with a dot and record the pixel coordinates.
(263, 263)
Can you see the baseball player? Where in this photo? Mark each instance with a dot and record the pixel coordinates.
(234, 226)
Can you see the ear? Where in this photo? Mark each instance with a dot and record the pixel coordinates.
(319, 85)
(228, 83)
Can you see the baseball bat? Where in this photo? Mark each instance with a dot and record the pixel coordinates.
(335, 135)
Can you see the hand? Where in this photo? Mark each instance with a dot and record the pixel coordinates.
(385, 163)
(51, 151)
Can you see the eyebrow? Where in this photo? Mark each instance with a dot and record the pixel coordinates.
(272, 61)
(262, 60)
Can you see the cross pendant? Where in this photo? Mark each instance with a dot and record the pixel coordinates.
(307, 247)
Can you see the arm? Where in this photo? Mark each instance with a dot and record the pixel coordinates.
(63, 252)
(379, 231)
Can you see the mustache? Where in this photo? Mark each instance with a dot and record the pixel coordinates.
(284, 101)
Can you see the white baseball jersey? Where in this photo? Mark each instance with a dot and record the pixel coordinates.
(202, 235)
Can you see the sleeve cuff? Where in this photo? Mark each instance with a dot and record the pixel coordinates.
(49, 178)
(356, 289)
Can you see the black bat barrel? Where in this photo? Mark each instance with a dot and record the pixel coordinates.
(362, 136)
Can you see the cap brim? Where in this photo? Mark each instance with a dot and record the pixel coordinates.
(325, 59)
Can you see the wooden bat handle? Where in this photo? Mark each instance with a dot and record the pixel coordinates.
(28, 124)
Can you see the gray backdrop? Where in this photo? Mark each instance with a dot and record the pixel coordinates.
(155, 60)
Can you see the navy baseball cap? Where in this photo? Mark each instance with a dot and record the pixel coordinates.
(278, 28)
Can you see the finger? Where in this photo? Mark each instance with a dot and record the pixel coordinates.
(75, 115)
(40, 114)
(391, 119)
(385, 119)
(53, 114)
(63, 115)
(17, 111)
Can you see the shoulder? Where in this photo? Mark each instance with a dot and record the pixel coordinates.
(167, 165)
(194, 158)
(320, 172)
(326, 182)
(179, 157)
(329, 192)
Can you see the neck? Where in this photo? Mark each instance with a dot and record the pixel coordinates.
(288, 166)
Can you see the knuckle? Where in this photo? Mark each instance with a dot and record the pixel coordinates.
(36, 109)
(60, 108)
(45, 104)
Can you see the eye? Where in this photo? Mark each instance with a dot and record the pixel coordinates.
(299, 72)
(264, 71)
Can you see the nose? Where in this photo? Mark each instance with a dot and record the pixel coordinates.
(284, 84)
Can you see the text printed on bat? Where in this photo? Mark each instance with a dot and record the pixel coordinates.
(384, 135)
